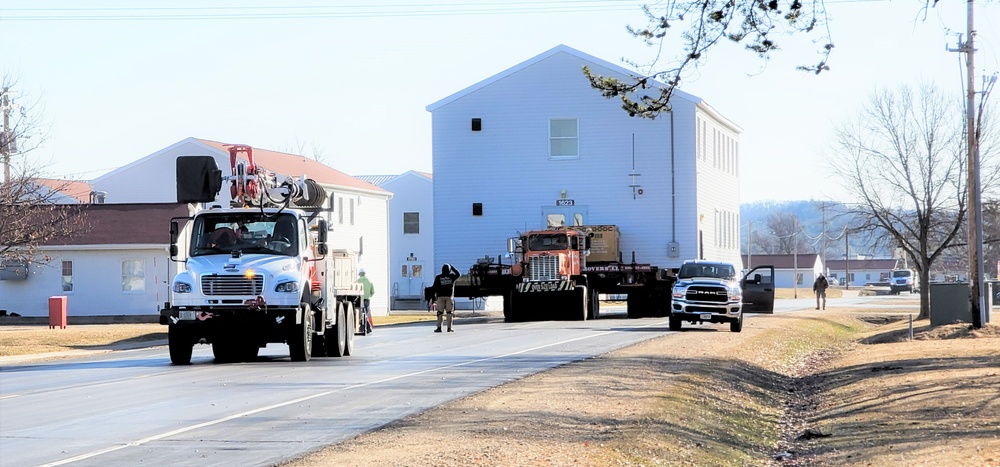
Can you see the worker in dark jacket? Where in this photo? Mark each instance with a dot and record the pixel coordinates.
(443, 291)
(819, 286)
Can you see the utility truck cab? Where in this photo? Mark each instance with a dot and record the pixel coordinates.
(900, 280)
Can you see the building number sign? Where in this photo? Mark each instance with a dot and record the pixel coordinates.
(564, 202)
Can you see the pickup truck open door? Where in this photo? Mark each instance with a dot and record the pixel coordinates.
(758, 290)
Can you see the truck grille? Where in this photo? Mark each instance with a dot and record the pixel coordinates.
(232, 285)
(544, 268)
(701, 293)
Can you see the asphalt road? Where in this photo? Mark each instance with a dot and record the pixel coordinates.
(134, 408)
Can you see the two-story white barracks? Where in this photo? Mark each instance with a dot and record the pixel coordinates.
(535, 145)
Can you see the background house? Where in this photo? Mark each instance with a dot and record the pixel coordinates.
(119, 266)
(790, 271)
(411, 237)
(357, 214)
(860, 271)
(536, 146)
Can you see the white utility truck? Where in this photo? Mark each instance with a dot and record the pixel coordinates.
(258, 271)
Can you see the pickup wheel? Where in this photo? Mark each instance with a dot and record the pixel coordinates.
(349, 317)
(676, 324)
(337, 339)
(181, 345)
(737, 324)
(300, 338)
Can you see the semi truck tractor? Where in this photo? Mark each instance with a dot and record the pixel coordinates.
(258, 271)
(560, 272)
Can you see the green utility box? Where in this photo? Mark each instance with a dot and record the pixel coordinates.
(950, 303)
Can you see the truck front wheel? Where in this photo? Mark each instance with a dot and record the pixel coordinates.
(300, 337)
(736, 325)
(675, 322)
(181, 345)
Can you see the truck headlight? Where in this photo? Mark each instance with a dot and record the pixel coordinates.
(287, 287)
(679, 293)
(182, 287)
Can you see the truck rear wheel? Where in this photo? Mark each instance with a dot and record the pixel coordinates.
(593, 305)
(337, 339)
(300, 337)
(181, 345)
(578, 304)
(349, 319)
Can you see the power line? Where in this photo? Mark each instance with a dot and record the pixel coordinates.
(312, 11)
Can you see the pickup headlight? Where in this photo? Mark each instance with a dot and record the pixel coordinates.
(680, 292)
(182, 287)
(735, 294)
(287, 287)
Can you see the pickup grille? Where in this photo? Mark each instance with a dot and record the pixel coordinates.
(544, 268)
(232, 285)
(702, 293)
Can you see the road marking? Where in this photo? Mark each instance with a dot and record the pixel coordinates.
(247, 413)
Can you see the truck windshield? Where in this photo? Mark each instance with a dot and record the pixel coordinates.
(248, 233)
(548, 242)
(716, 271)
(901, 274)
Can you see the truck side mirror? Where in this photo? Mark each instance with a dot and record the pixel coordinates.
(512, 244)
(174, 229)
(322, 229)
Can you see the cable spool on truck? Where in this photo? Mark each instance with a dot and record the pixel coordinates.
(259, 271)
(561, 272)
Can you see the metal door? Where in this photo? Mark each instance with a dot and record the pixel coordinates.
(412, 280)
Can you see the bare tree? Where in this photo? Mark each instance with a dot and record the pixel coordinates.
(757, 24)
(32, 209)
(904, 158)
(785, 230)
(300, 148)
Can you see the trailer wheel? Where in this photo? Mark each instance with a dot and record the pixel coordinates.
(337, 342)
(635, 305)
(349, 317)
(593, 305)
(181, 345)
(511, 312)
(675, 323)
(300, 339)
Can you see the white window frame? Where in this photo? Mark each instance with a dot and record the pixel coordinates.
(137, 280)
(575, 138)
(66, 279)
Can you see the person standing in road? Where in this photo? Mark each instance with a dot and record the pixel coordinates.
(368, 290)
(443, 290)
(819, 287)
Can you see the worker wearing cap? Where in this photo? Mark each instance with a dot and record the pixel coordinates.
(444, 294)
(368, 290)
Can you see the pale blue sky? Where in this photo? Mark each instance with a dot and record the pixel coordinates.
(355, 83)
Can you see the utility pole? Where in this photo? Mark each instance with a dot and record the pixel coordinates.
(975, 210)
(7, 137)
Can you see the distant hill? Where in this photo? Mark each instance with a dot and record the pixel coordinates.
(811, 218)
